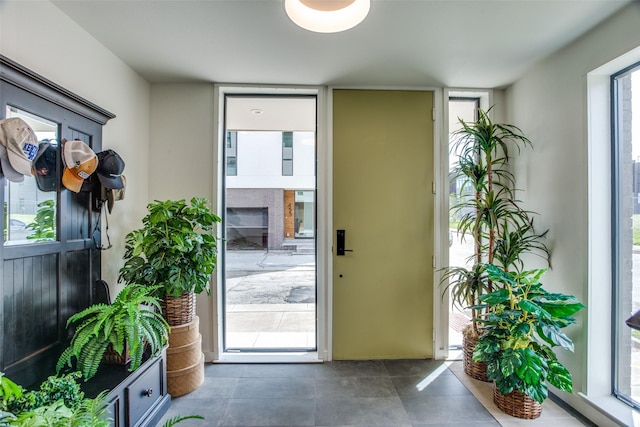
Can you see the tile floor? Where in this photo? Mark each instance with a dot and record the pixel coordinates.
(395, 393)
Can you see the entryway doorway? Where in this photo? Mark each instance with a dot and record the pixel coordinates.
(269, 286)
(383, 212)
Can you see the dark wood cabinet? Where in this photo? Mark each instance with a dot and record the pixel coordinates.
(44, 282)
(136, 399)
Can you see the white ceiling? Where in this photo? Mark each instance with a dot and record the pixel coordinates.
(452, 43)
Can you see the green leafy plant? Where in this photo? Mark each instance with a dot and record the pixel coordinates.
(9, 389)
(58, 402)
(55, 387)
(44, 223)
(132, 319)
(486, 209)
(178, 419)
(176, 248)
(90, 412)
(522, 325)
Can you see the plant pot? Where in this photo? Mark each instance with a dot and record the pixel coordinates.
(517, 404)
(476, 370)
(179, 310)
(186, 380)
(110, 356)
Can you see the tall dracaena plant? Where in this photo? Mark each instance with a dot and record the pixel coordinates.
(488, 209)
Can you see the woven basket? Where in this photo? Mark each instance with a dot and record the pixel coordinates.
(185, 355)
(186, 380)
(517, 404)
(179, 310)
(110, 356)
(184, 334)
(476, 370)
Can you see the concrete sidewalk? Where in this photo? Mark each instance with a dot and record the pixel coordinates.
(270, 299)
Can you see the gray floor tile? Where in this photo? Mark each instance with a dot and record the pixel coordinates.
(406, 367)
(269, 412)
(224, 370)
(351, 368)
(275, 388)
(354, 387)
(214, 387)
(462, 424)
(391, 393)
(445, 409)
(418, 385)
(295, 370)
(371, 411)
(211, 409)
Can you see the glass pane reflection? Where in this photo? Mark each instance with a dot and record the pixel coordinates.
(30, 202)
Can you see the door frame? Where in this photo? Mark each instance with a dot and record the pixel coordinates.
(220, 91)
(324, 217)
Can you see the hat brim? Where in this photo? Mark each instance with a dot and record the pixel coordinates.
(114, 182)
(46, 182)
(71, 182)
(9, 172)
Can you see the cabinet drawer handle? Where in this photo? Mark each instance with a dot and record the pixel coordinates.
(148, 392)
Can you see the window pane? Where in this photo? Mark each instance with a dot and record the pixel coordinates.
(627, 234)
(30, 202)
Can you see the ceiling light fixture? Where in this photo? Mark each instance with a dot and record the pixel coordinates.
(327, 16)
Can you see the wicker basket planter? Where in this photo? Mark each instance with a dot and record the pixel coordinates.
(185, 355)
(476, 370)
(517, 404)
(179, 310)
(110, 356)
(183, 381)
(184, 334)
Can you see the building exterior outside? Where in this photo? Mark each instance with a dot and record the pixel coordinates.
(270, 182)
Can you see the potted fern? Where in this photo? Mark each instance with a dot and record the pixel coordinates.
(487, 211)
(131, 322)
(175, 251)
(521, 329)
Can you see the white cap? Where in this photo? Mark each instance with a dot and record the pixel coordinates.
(20, 142)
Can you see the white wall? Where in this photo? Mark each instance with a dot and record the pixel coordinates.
(40, 37)
(259, 157)
(550, 105)
(182, 162)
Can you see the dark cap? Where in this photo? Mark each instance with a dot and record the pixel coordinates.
(110, 168)
(44, 166)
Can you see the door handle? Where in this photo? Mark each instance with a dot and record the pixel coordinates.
(340, 241)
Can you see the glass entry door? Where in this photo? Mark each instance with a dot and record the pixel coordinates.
(269, 279)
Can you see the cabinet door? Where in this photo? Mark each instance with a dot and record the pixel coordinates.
(47, 278)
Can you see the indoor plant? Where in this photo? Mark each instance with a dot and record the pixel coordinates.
(176, 250)
(58, 402)
(131, 322)
(486, 210)
(522, 325)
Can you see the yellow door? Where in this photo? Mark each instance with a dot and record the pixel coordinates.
(383, 199)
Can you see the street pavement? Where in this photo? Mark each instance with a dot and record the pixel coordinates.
(274, 277)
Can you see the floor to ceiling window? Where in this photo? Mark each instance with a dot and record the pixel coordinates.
(269, 287)
(460, 246)
(626, 233)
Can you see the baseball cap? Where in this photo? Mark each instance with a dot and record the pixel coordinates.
(20, 142)
(110, 168)
(7, 170)
(44, 166)
(115, 194)
(80, 162)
